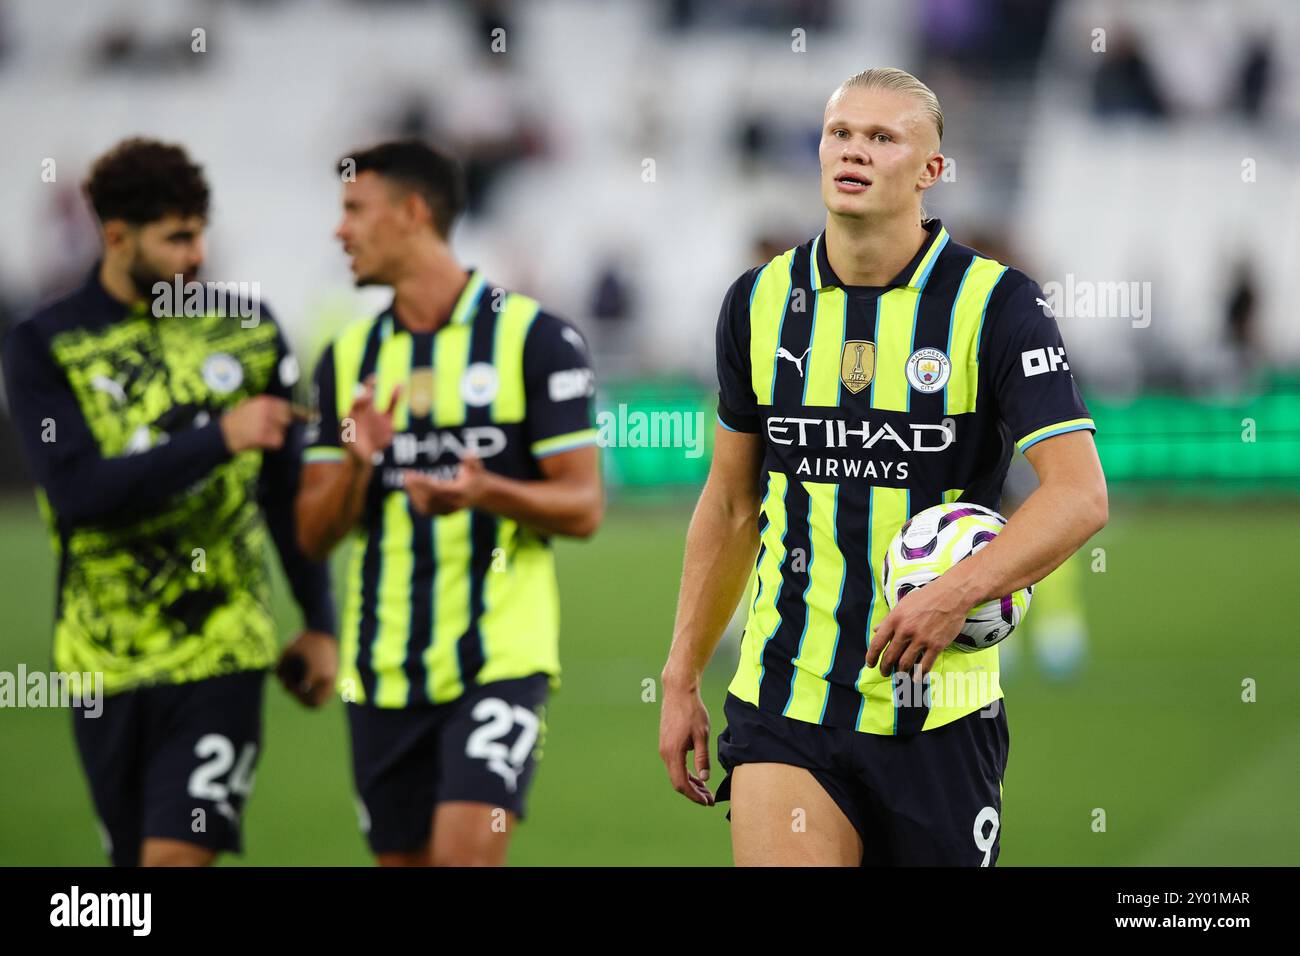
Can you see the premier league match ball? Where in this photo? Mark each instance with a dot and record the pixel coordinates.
(930, 543)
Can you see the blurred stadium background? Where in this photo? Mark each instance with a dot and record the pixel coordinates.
(1144, 157)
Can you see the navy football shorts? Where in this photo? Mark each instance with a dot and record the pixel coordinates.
(173, 761)
(933, 798)
(482, 748)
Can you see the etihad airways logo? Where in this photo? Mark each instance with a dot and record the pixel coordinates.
(449, 446)
(482, 441)
(837, 433)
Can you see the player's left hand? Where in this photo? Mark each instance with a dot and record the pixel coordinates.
(309, 666)
(434, 496)
(917, 630)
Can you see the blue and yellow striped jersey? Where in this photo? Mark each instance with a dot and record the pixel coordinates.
(874, 404)
(434, 605)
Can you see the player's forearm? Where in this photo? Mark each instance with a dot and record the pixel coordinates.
(1054, 522)
(553, 506)
(91, 488)
(328, 508)
(720, 548)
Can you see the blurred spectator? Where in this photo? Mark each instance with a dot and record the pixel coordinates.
(1124, 84)
(764, 141)
(613, 305)
(70, 240)
(1002, 37)
(681, 15)
(489, 16)
(1241, 328)
(490, 127)
(996, 244)
(768, 245)
(415, 117)
(124, 47)
(1255, 80)
(5, 34)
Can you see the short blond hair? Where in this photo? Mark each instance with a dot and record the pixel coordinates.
(896, 81)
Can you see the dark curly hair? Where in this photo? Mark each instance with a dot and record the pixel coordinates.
(413, 165)
(141, 180)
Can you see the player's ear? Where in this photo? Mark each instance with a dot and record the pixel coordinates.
(932, 170)
(416, 210)
(117, 233)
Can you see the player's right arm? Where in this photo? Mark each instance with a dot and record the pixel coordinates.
(339, 461)
(720, 548)
(81, 484)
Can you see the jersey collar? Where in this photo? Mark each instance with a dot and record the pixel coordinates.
(465, 308)
(462, 313)
(913, 276)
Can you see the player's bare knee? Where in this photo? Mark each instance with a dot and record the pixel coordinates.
(175, 854)
(469, 856)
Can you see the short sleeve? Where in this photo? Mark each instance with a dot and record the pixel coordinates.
(321, 437)
(560, 387)
(737, 404)
(1035, 390)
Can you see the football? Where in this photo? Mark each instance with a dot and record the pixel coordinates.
(930, 543)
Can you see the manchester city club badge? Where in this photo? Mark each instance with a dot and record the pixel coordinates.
(478, 386)
(928, 370)
(222, 373)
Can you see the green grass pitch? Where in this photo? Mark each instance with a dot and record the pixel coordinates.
(1194, 600)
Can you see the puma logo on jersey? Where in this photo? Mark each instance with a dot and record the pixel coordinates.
(112, 387)
(572, 336)
(782, 353)
(1047, 309)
